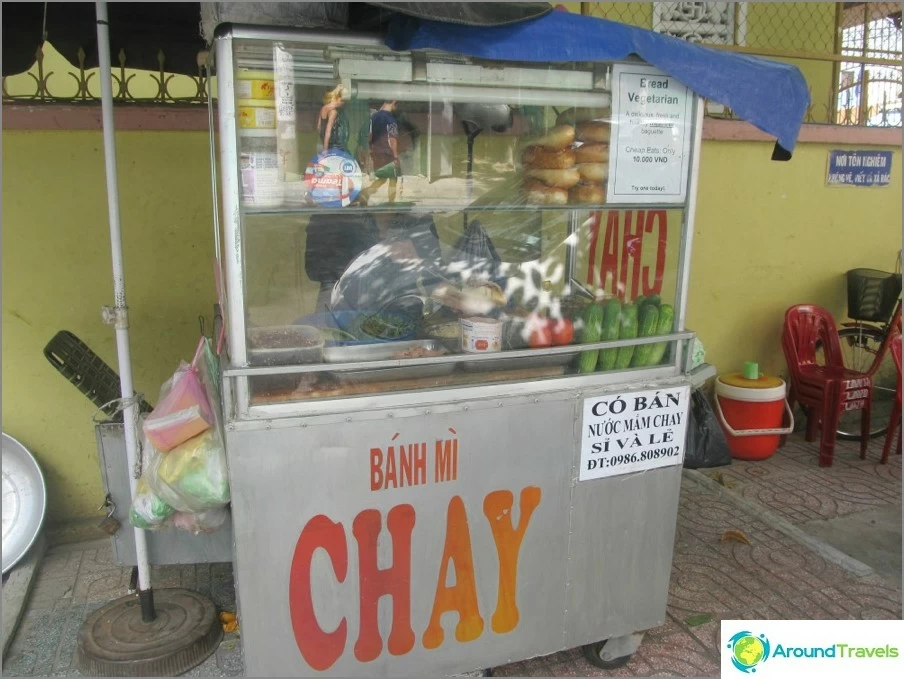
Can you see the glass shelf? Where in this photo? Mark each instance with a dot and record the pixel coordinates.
(423, 208)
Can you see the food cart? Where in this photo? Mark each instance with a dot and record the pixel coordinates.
(456, 394)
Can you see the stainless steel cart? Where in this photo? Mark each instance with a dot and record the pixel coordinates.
(510, 506)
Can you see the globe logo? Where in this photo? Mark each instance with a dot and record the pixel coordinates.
(748, 651)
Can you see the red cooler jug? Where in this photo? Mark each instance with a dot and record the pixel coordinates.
(749, 406)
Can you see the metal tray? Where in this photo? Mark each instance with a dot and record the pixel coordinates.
(503, 363)
(407, 373)
(24, 501)
(382, 352)
(379, 351)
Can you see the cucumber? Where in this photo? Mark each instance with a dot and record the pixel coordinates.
(653, 299)
(611, 313)
(649, 317)
(663, 327)
(593, 330)
(627, 330)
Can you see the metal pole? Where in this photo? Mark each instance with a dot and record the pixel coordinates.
(120, 315)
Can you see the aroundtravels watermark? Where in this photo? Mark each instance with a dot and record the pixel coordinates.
(787, 648)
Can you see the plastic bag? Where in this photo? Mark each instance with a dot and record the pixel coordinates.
(148, 511)
(182, 412)
(186, 486)
(201, 522)
(192, 476)
(706, 444)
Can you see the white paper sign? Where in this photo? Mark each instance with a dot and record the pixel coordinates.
(649, 153)
(632, 432)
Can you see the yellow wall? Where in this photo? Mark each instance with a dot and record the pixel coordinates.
(56, 275)
(768, 235)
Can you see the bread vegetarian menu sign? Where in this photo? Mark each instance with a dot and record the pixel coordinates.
(651, 136)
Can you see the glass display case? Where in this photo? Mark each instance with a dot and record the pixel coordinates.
(395, 222)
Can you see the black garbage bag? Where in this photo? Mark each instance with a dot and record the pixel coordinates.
(706, 444)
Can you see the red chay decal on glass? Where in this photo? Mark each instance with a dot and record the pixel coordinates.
(617, 263)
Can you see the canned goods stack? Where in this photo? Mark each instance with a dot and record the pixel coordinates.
(261, 186)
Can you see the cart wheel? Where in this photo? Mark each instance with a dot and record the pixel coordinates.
(595, 654)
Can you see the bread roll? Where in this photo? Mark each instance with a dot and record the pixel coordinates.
(593, 172)
(539, 194)
(592, 153)
(593, 131)
(557, 138)
(563, 179)
(587, 194)
(539, 158)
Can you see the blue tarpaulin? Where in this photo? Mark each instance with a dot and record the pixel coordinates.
(770, 95)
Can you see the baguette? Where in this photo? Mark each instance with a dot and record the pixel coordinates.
(539, 158)
(563, 179)
(538, 193)
(559, 137)
(584, 194)
(592, 153)
(593, 172)
(592, 131)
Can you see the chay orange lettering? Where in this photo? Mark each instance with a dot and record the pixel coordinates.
(321, 649)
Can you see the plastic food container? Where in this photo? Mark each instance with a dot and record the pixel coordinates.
(259, 168)
(448, 334)
(257, 114)
(480, 335)
(254, 85)
(283, 345)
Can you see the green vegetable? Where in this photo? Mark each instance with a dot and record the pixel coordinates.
(611, 313)
(652, 299)
(386, 326)
(663, 327)
(627, 330)
(593, 329)
(649, 317)
(639, 301)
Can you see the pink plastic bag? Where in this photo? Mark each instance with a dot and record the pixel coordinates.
(182, 412)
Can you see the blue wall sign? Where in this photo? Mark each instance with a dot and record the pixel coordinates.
(859, 168)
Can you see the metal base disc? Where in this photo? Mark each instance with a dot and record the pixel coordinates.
(115, 642)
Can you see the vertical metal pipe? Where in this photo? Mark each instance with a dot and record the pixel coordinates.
(684, 261)
(130, 412)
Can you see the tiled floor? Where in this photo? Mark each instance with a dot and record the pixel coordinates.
(792, 485)
(772, 577)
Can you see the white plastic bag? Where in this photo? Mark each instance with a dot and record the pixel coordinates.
(201, 522)
(192, 476)
(148, 511)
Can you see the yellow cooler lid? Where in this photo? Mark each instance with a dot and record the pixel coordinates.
(762, 382)
(751, 378)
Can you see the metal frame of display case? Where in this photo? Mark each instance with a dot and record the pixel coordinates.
(230, 253)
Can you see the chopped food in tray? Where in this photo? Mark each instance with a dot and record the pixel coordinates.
(419, 352)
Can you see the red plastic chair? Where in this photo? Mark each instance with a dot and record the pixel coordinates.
(825, 391)
(894, 423)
